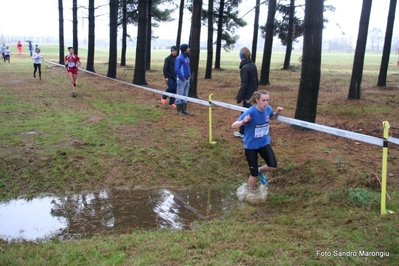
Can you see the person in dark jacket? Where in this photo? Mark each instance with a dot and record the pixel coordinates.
(249, 82)
(170, 76)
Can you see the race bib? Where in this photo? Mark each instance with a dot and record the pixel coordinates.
(261, 130)
(71, 64)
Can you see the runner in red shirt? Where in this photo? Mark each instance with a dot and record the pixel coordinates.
(19, 47)
(72, 62)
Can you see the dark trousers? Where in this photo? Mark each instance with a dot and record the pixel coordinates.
(172, 85)
(247, 105)
(266, 153)
(37, 67)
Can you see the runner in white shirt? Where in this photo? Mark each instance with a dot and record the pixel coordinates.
(37, 63)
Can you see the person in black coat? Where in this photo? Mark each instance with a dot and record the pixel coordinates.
(170, 76)
(249, 82)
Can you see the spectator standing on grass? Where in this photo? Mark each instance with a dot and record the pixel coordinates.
(249, 82)
(37, 63)
(183, 72)
(30, 48)
(19, 47)
(256, 121)
(3, 47)
(170, 76)
(72, 62)
(7, 54)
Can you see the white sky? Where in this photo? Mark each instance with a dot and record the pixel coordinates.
(27, 19)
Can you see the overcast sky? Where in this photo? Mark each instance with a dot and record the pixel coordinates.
(29, 18)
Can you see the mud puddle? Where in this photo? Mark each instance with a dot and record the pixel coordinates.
(110, 211)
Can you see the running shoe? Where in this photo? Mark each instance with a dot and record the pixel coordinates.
(238, 134)
(173, 105)
(73, 94)
(262, 178)
(163, 101)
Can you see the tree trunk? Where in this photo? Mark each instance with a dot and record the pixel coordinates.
(219, 35)
(149, 37)
(256, 31)
(180, 25)
(267, 50)
(124, 33)
(75, 26)
(113, 38)
(382, 77)
(311, 61)
(358, 62)
(141, 47)
(61, 58)
(209, 58)
(91, 38)
(195, 46)
(288, 50)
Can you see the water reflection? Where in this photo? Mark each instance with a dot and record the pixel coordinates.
(109, 211)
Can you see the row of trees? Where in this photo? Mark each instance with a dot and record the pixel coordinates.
(222, 19)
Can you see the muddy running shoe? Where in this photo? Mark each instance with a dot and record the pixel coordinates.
(73, 94)
(163, 101)
(262, 178)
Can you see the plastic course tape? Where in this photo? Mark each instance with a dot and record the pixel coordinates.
(300, 123)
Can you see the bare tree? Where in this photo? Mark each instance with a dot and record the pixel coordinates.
(113, 38)
(61, 59)
(219, 35)
(267, 50)
(375, 36)
(149, 36)
(180, 24)
(358, 62)
(91, 39)
(124, 33)
(382, 77)
(311, 61)
(209, 58)
(256, 31)
(141, 47)
(288, 50)
(195, 46)
(75, 26)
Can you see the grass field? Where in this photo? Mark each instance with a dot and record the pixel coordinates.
(324, 200)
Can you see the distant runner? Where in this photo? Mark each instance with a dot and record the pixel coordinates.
(72, 62)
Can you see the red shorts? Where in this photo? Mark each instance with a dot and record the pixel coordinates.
(72, 70)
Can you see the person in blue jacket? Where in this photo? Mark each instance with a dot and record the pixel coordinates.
(256, 120)
(30, 48)
(183, 73)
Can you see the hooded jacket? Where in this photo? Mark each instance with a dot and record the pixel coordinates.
(182, 66)
(249, 80)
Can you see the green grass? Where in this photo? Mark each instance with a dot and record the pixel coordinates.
(324, 196)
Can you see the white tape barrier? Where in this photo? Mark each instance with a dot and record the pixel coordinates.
(393, 140)
(304, 124)
(142, 87)
(321, 128)
(333, 131)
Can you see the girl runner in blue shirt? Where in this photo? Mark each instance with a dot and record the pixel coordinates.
(256, 120)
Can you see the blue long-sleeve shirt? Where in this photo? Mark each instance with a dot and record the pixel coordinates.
(182, 67)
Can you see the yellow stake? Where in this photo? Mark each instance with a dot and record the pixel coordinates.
(384, 211)
(210, 120)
